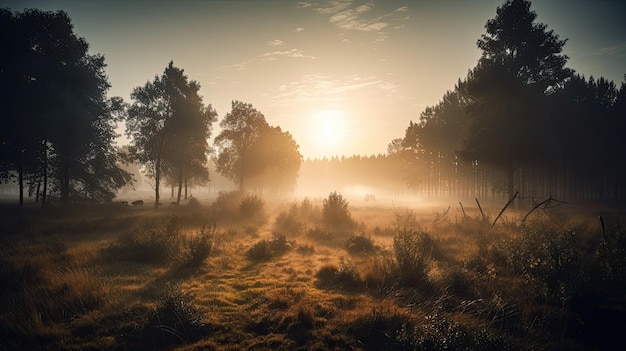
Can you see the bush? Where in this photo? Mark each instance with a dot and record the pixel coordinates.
(335, 212)
(345, 276)
(165, 242)
(359, 244)
(252, 207)
(151, 242)
(197, 248)
(413, 253)
(265, 250)
(193, 203)
(289, 221)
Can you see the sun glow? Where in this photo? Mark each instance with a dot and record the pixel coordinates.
(328, 131)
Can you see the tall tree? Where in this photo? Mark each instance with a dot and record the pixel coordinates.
(275, 161)
(169, 126)
(241, 128)
(255, 154)
(70, 128)
(521, 63)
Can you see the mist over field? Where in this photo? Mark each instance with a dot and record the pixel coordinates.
(312, 175)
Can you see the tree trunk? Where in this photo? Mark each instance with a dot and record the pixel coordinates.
(21, 182)
(45, 176)
(157, 182)
(180, 184)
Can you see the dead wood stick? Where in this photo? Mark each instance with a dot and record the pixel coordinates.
(504, 208)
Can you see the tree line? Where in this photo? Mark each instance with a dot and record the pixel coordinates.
(520, 122)
(59, 126)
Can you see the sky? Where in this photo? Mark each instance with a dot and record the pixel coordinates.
(343, 77)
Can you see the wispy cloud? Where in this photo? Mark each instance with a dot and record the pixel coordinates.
(269, 56)
(275, 42)
(360, 16)
(618, 50)
(294, 53)
(320, 88)
(299, 29)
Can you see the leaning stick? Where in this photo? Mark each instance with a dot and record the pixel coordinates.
(504, 208)
(462, 209)
(481, 209)
(536, 207)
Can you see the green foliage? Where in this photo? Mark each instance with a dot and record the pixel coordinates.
(169, 127)
(60, 125)
(335, 213)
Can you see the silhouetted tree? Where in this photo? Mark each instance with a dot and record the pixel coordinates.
(54, 95)
(274, 160)
(241, 129)
(169, 126)
(521, 63)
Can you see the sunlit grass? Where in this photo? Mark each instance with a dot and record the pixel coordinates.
(400, 278)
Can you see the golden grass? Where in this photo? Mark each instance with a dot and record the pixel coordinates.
(67, 290)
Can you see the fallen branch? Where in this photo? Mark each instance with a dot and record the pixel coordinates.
(536, 207)
(504, 208)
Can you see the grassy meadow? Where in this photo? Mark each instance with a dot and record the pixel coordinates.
(241, 273)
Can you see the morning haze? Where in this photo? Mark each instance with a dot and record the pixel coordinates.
(328, 175)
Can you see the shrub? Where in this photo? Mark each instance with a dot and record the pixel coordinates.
(413, 253)
(345, 276)
(152, 242)
(265, 250)
(359, 244)
(335, 212)
(308, 211)
(252, 207)
(165, 242)
(193, 203)
(441, 333)
(611, 257)
(197, 248)
(288, 221)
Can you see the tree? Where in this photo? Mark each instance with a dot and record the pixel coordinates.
(169, 126)
(521, 63)
(255, 154)
(274, 160)
(241, 128)
(62, 122)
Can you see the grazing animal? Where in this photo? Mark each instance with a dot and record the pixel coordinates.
(138, 203)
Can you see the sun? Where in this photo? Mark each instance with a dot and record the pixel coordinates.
(327, 131)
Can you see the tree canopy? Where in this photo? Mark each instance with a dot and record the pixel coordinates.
(169, 127)
(255, 154)
(60, 120)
